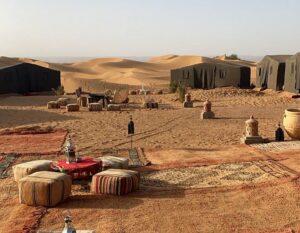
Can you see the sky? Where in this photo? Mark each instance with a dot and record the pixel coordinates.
(108, 28)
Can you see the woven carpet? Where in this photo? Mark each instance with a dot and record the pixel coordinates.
(278, 147)
(215, 175)
(5, 163)
(32, 142)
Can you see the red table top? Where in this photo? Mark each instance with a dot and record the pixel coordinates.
(84, 163)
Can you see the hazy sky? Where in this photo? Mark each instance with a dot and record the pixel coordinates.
(90, 28)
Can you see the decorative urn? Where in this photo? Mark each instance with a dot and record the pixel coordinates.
(207, 106)
(251, 127)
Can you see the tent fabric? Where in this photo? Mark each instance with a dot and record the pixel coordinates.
(271, 71)
(292, 74)
(25, 78)
(212, 75)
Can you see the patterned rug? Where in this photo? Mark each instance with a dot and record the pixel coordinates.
(32, 141)
(215, 175)
(278, 147)
(5, 163)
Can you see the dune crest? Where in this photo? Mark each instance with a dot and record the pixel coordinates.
(89, 74)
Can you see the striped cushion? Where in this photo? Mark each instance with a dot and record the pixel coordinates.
(44, 188)
(114, 162)
(115, 182)
(24, 169)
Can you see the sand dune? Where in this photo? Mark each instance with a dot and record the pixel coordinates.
(96, 74)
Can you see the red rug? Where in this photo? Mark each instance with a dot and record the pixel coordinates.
(31, 143)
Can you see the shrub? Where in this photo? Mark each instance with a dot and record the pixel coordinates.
(59, 90)
(233, 57)
(173, 87)
(181, 91)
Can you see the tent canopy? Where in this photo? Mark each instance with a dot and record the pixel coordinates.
(26, 77)
(211, 75)
(270, 72)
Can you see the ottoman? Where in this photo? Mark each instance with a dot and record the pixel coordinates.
(115, 182)
(44, 188)
(95, 107)
(53, 105)
(24, 169)
(62, 101)
(72, 107)
(113, 107)
(113, 162)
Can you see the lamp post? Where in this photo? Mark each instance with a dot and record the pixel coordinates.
(131, 130)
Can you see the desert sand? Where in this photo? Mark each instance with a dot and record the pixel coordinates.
(201, 179)
(104, 73)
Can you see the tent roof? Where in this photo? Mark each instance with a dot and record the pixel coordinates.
(295, 55)
(223, 65)
(278, 58)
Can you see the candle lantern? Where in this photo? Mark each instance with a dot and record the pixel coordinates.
(131, 130)
(68, 225)
(279, 134)
(70, 151)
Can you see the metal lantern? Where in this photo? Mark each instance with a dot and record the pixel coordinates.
(70, 152)
(68, 228)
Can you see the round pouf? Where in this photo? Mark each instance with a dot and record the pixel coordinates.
(72, 108)
(115, 182)
(44, 188)
(95, 107)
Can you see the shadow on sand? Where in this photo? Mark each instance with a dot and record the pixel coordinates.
(15, 117)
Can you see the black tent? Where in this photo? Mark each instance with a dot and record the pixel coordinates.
(26, 77)
(292, 74)
(270, 72)
(211, 75)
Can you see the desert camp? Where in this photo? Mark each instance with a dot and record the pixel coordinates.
(212, 75)
(271, 71)
(24, 78)
(149, 116)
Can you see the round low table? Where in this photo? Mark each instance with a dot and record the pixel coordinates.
(85, 168)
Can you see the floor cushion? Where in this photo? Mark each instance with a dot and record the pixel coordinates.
(24, 169)
(114, 162)
(115, 182)
(44, 188)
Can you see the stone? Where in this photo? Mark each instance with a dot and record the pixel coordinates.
(188, 104)
(207, 115)
(95, 107)
(252, 140)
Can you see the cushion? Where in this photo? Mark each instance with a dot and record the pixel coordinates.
(53, 105)
(95, 107)
(44, 188)
(72, 107)
(113, 107)
(114, 162)
(24, 169)
(150, 105)
(115, 182)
